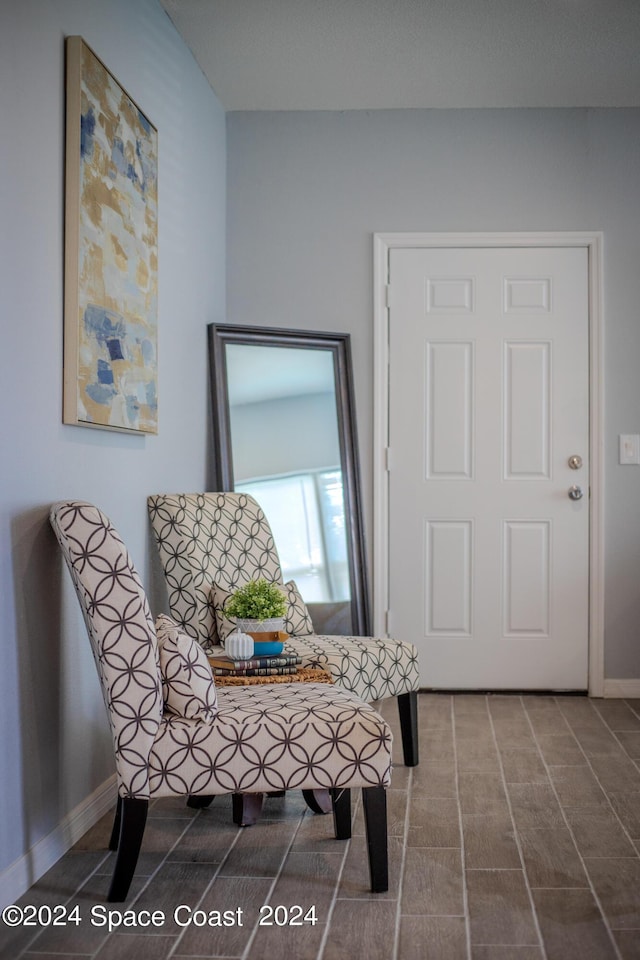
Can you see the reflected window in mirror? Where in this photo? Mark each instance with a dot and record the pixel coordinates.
(306, 515)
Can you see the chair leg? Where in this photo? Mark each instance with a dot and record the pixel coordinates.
(341, 798)
(246, 808)
(318, 800)
(115, 830)
(374, 801)
(408, 711)
(131, 816)
(199, 802)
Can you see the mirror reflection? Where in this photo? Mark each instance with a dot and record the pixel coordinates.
(286, 453)
(284, 432)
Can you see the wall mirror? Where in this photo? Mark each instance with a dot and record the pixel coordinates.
(284, 431)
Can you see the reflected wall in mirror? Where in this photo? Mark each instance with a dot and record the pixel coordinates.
(284, 431)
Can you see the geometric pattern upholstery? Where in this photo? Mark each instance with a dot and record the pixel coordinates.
(205, 539)
(263, 738)
(122, 635)
(372, 668)
(225, 539)
(273, 737)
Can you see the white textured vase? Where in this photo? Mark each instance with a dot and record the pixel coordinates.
(239, 645)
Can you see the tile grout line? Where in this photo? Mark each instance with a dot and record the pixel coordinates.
(636, 713)
(614, 733)
(516, 834)
(591, 887)
(79, 887)
(246, 953)
(208, 886)
(636, 764)
(463, 858)
(107, 877)
(597, 779)
(111, 854)
(334, 899)
(403, 859)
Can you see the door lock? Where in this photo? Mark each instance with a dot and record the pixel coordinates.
(575, 462)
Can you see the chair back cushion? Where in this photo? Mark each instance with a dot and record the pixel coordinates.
(206, 539)
(121, 630)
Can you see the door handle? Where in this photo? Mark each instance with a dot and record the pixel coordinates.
(575, 492)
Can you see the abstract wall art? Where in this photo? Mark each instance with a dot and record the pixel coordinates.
(111, 252)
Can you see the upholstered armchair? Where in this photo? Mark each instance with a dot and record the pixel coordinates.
(175, 734)
(210, 543)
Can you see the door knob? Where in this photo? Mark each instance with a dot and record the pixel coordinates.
(575, 462)
(575, 493)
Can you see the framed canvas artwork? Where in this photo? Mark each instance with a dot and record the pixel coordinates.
(111, 252)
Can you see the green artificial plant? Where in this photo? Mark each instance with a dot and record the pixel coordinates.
(256, 600)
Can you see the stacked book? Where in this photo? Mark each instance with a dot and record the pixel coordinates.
(222, 665)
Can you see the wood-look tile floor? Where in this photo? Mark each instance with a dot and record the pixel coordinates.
(516, 838)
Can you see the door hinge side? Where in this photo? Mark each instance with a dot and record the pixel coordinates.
(387, 294)
(387, 459)
(387, 622)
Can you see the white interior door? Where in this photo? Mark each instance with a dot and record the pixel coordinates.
(488, 404)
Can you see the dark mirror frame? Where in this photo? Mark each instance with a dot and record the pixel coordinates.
(340, 345)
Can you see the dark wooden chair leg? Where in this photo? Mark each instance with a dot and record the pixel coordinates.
(408, 711)
(131, 814)
(341, 799)
(374, 801)
(199, 803)
(247, 808)
(318, 800)
(115, 830)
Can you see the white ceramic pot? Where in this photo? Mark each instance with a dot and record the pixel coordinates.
(239, 645)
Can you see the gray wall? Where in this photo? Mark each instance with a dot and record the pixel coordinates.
(55, 744)
(306, 191)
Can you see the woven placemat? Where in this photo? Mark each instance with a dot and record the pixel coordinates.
(303, 675)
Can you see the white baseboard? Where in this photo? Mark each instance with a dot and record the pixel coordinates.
(20, 875)
(622, 689)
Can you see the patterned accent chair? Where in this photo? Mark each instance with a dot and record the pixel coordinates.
(238, 740)
(218, 541)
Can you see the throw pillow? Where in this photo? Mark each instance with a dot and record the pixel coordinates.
(188, 688)
(297, 621)
(224, 625)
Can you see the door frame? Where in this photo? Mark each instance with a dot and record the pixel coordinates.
(383, 243)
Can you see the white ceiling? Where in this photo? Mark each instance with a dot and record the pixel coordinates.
(375, 54)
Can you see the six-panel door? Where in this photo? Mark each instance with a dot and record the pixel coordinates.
(489, 400)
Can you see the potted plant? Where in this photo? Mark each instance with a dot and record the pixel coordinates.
(258, 608)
